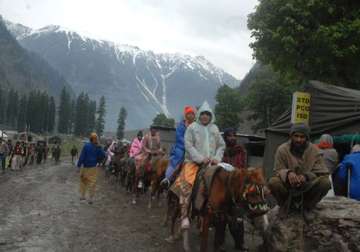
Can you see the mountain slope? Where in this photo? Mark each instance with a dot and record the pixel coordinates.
(24, 71)
(143, 82)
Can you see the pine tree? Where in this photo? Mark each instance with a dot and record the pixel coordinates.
(162, 120)
(121, 123)
(64, 125)
(100, 121)
(21, 119)
(37, 116)
(73, 116)
(52, 114)
(2, 105)
(44, 101)
(80, 115)
(228, 108)
(12, 108)
(91, 110)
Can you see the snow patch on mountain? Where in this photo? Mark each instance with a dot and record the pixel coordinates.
(140, 80)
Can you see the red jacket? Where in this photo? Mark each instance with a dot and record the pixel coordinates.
(236, 156)
(18, 150)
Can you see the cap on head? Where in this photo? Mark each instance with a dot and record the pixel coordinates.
(229, 131)
(326, 139)
(93, 136)
(189, 109)
(300, 128)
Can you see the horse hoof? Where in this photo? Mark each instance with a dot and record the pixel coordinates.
(149, 206)
(133, 202)
(186, 245)
(170, 239)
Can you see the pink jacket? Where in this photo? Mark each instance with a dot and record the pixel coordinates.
(136, 147)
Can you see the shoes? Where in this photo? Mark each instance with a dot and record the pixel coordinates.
(309, 216)
(140, 185)
(165, 183)
(185, 223)
(82, 199)
(170, 239)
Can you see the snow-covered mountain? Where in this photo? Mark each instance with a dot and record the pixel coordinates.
(144, 82)
(24, 71)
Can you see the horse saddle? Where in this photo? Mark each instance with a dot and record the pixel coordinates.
(202, 186)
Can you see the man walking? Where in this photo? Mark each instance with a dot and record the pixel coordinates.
(17, 157)
(74, 153)
(90, 156)
(4, 151)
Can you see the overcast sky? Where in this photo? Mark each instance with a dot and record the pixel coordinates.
(212, 28)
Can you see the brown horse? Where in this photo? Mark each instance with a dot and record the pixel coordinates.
(237, 193)
(156, 175)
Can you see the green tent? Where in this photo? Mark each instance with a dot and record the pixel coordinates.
(333, 110)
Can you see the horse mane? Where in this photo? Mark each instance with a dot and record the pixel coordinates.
(240, 177)
(256, 174)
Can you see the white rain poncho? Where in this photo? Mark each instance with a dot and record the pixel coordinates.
(203, 141)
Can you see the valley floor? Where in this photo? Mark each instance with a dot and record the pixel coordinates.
(41, 211)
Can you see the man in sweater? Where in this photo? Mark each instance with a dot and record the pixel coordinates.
(90, 156)
(300, 172)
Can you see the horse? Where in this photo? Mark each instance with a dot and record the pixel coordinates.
(239, 193)
(156, 174)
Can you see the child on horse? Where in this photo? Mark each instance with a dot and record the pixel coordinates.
(178, 151)
(204, 146)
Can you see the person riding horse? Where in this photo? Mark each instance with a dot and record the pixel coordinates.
(178, 151)
(204, 146)
(136, 145)
(150, 152)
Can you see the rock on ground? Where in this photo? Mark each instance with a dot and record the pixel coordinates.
(334, 225)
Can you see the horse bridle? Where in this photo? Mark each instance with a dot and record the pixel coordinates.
(241, 205)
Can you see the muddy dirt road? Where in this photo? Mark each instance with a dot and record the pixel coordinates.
(41, 211)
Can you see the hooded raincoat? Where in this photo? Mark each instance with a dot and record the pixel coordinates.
(136, 147)
(178, 151)
(203, 141)
(351, 162)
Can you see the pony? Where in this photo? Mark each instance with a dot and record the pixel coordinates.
(236, 194)
(157, 174)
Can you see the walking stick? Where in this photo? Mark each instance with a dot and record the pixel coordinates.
(348, 181)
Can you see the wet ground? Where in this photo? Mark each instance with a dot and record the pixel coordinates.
(41, 211)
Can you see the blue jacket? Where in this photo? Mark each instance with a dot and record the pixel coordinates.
(90, 156)
(351, 161)
(178, 150)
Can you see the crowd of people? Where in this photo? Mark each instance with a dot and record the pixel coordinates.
(303, 172)
(16, 156)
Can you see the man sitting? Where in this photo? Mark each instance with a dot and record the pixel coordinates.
(300, 172)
